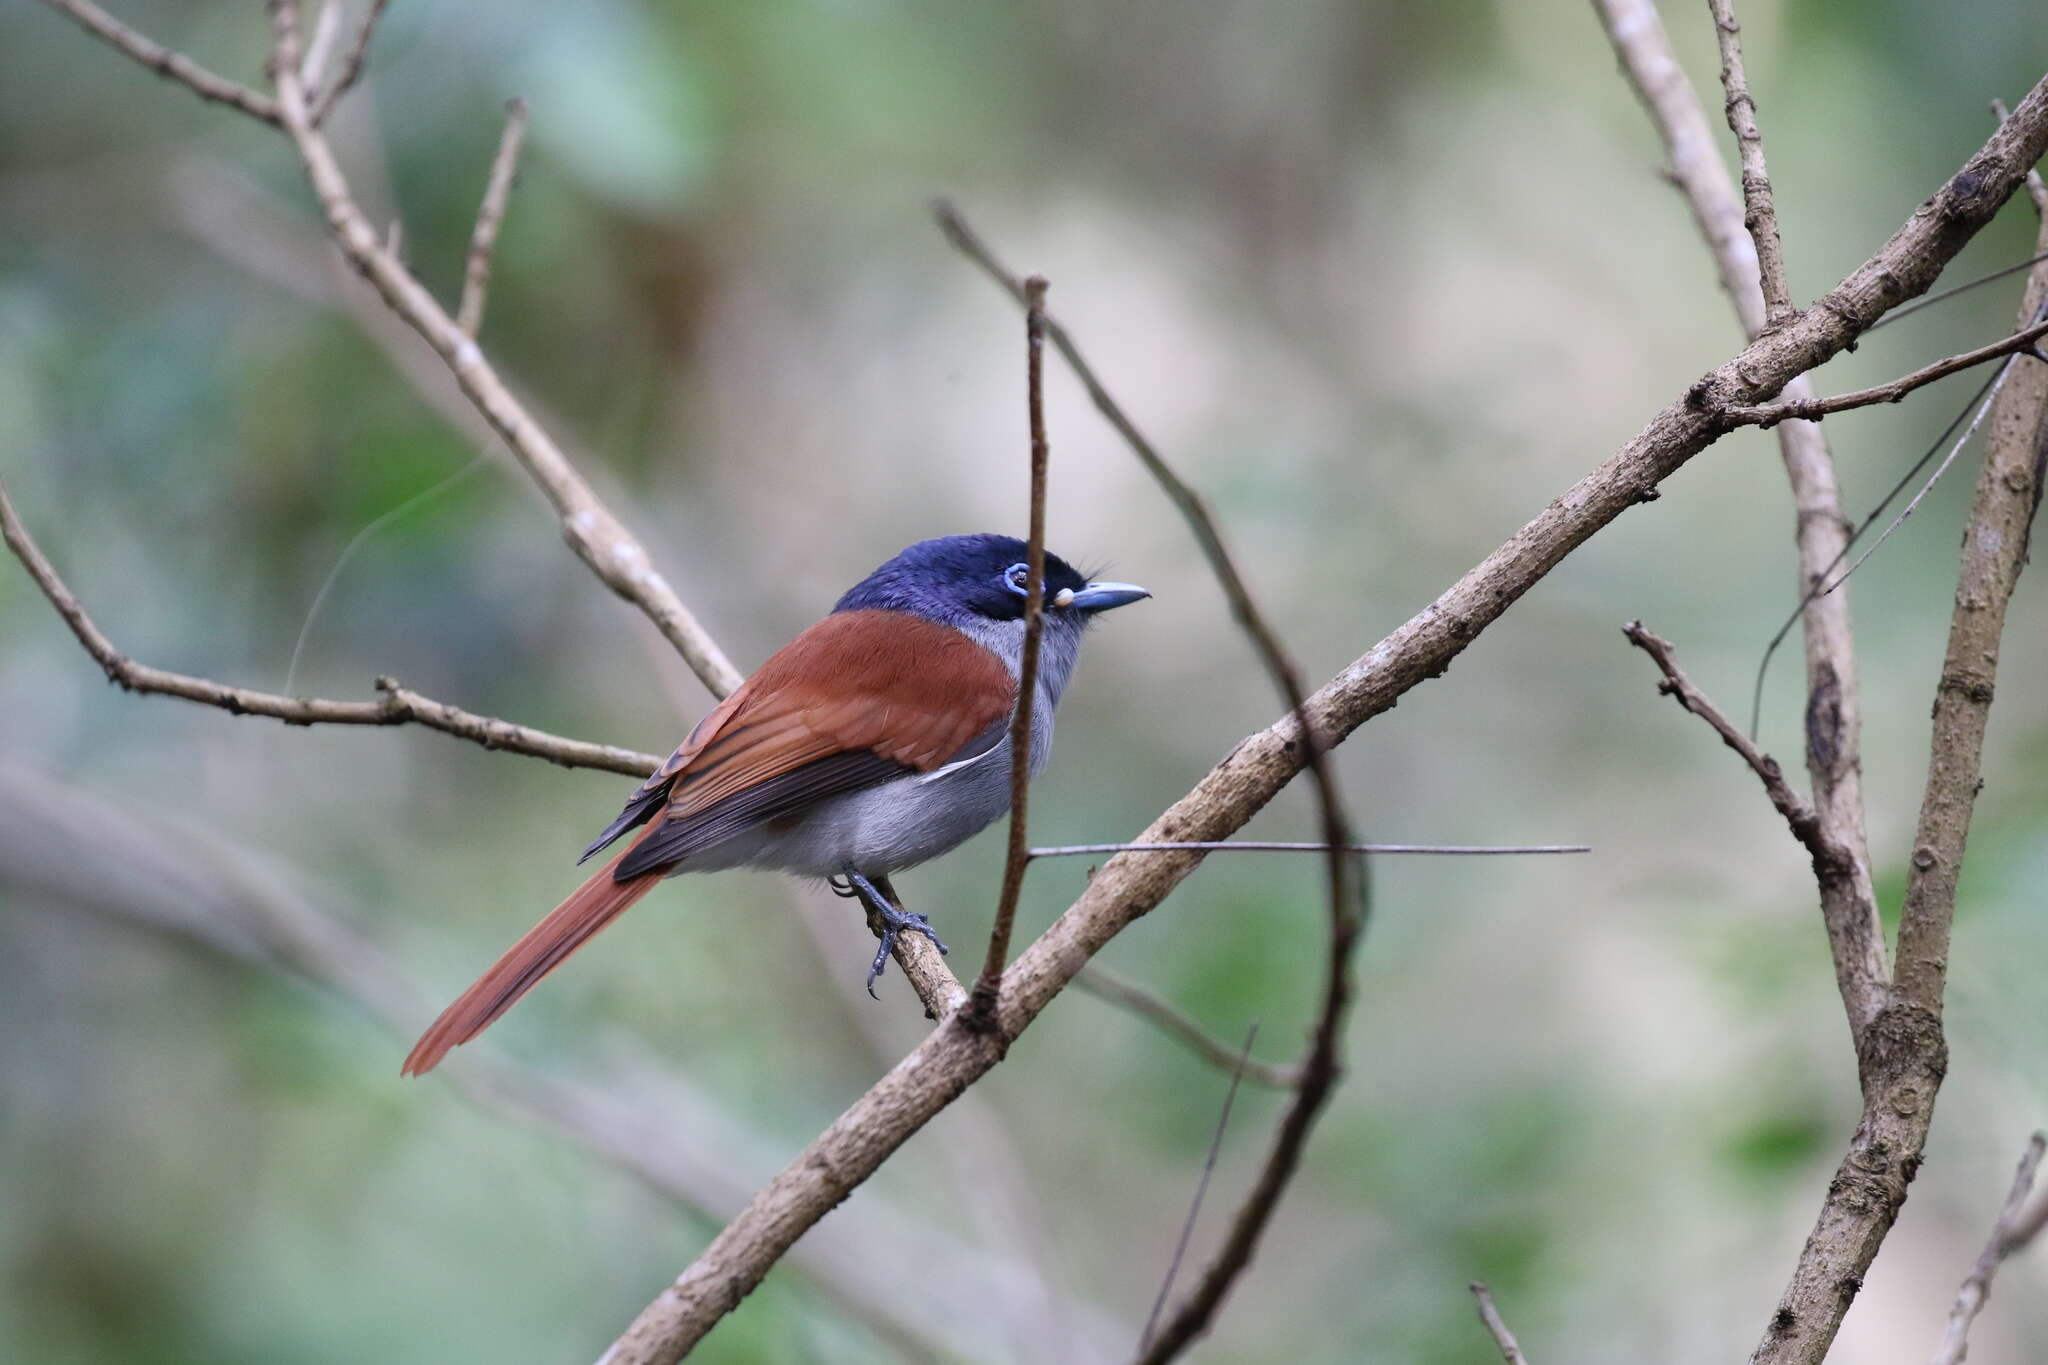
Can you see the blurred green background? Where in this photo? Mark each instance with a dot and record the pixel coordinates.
(1383, 277)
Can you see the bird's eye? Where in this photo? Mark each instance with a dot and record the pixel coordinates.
(1017, 578)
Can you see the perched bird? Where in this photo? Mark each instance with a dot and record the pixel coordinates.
(875, 740)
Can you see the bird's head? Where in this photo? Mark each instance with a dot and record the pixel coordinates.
(968, 581)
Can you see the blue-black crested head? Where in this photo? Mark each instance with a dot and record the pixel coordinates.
(954, 578)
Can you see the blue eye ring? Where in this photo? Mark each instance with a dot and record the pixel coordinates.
(1017, 578)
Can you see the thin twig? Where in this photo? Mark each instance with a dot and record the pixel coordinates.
(323, 101)
(1108, 987)
(1827, 858)
(167, 63)
(950, 1059)
(1813, 410)
(1274, 846)
(620, 561)
(1955, 1337)
(1350, 897)
(1510, 1349)
(399, 706)
(981, 1002)
(325, 29)
(1762, 214)
(490, 216)
(1983, 408)
(1187, 1227)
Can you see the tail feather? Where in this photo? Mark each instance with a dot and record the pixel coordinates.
(570, 925)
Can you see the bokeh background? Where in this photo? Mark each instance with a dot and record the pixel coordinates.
(1383, 277)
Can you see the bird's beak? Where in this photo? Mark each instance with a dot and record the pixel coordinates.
(1103, 596)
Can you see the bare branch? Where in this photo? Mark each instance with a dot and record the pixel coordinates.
(1489, 1316)
(1762, 215)
(1273, 846)
(1834, 720)
(351, 66)
(325, 29)
(400, 705)
(981, 1003)
(476, 279)
(1813, 409)
(950, 1058)
(603, 542)
(1955, 1337)
(1187, 1227)
(211, 893)
(1110, 988)
(162, 60)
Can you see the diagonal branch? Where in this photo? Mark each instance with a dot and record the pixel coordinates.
(1955, 1337)
(490, 216)
(1892, 391)
(1762, 215)
(597, 536)
(950, 1059)
(171, 65)
(1496, 1327)
(399, 707)
(1834, 720)
(1112, 989)
(351, 64)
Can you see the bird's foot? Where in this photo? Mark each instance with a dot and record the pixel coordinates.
(895, 922)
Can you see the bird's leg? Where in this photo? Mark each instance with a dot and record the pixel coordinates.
(880, 899)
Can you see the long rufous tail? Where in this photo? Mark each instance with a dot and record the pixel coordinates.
(547, 945)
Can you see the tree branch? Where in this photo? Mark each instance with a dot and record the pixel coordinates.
(1112, 989)
(1834, 721)
(1813, 409)
(981, 1003)
(399, 706)
(171, 65)
(1762, 215)
(950, 1058)
(1490, 1318)
(603, 542)
(1277, 846)
(2037, 188)
(1955, 1337)
(490, 216)
(351, 64)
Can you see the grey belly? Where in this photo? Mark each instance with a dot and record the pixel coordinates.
(882, 830)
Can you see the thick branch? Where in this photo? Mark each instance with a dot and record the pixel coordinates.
(2037, 188)
(1834, 719)
(1762, 215)
(1892, 391)
(591, 529)
(490, 216)
(399, 707)
(1955, 1337)
(162, 60)
(950, 1058)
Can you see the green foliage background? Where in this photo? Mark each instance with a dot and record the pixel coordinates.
(1384, 277)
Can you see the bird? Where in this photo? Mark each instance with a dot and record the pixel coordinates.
(877, 739)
